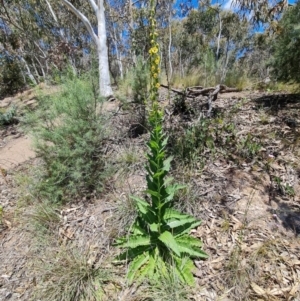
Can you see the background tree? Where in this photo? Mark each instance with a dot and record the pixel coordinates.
(286, 47)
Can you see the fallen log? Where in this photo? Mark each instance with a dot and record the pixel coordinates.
(210, 92)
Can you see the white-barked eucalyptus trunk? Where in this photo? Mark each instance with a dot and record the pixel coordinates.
(99, 39)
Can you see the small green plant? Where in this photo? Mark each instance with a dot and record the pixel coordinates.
(189, 146)
(159, 240)
(284, 189)
(248, 147)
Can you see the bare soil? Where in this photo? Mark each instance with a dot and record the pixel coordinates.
(250, 207)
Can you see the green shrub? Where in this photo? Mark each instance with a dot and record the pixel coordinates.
(8, 116)
(11, 79)
(69, 131)
(286, 47)
(189, 145)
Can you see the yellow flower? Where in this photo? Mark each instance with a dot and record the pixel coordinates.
(155, 75)
(154, 49)
(157, 85)
(157, 60)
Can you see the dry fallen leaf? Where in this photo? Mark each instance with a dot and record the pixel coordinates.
(257, 289)
(294, 289)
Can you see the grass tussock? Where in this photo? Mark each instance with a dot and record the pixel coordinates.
(70, 275)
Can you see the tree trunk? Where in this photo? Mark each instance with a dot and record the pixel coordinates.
(99, 39)
(104, 77)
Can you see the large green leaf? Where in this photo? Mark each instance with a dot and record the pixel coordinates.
(148, 270)
(189, 240)
(137, 229)
(153, 227)
(172, 189)
(135, 265)
(172, 213)
(185, 229)
(142, 205)
(152, 192)
(134, 241)
(132, 253)
(184, 267)
(164, 143)
(168, 239)
(192, 251)
(174, 223)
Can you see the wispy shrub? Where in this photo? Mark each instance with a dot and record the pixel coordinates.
(69, 131)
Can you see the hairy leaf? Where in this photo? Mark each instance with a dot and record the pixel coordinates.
(168, 239)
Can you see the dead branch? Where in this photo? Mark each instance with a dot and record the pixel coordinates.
(210, 92)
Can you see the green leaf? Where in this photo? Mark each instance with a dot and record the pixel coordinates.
(172, 189)
(135, 265)
(168, 181)
(168, 239)
(167, 163)
(142, 205)
(189, 240)
(185, 229)
(132, 253)
(154, 227)
(192, 251)
(159, 174)
(137, 230)
(152, 192)
(172, 213)
(164, 143)
(149, 268)
(134, 241)
(184, 267)
(184, 221)
(153, 145)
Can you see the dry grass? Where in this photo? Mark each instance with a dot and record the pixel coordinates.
(70, 274)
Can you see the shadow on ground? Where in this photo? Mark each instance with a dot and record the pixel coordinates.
(278, 102)
(289, 215)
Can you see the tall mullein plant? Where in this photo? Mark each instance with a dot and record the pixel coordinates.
(159, 241)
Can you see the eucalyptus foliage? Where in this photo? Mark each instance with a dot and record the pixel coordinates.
(286, 61)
